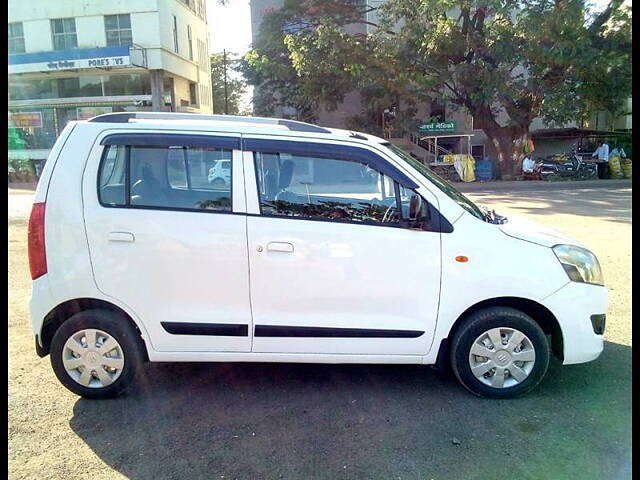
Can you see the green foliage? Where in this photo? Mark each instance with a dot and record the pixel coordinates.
(268, 68)
(235, 84)
(505, 62)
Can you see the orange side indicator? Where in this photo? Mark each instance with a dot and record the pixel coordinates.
(462, 259)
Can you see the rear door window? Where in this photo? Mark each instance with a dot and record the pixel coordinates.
(166, 177)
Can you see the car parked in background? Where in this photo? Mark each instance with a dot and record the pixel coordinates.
(220, 173)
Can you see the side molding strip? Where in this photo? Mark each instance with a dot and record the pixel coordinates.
(218, 329)
(325, 332)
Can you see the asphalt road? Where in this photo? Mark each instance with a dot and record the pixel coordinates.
(265, 421)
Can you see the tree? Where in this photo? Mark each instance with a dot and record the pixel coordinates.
(268, 68)
(505, 62)
(227, 84)
(608, 86)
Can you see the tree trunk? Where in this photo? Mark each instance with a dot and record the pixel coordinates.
(509, 143)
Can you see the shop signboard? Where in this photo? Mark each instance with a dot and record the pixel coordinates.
(85, 113)
(437, 127)
(27, 119)
(102, 57)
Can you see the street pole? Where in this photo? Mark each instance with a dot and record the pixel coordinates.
(224, 63)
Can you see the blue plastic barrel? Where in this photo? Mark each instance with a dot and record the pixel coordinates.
(484, 170)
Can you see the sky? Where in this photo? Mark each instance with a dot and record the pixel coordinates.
(230, 29)
(229, 26)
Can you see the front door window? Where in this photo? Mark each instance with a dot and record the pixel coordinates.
(325, 188)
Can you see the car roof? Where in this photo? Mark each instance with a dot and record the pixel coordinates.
(232, 124)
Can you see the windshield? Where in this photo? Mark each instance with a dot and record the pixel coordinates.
(439, 182)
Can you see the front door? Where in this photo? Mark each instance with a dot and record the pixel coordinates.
(333, 269)
(168, 243)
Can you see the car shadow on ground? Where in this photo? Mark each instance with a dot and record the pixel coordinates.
(361, 421)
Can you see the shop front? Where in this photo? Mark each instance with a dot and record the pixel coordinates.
(49, 89)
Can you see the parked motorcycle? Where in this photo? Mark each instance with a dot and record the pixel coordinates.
(565, 166)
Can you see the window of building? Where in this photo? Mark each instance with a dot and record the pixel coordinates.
(190, 42)
(85, 86)
(63, 31)
(23, 89)
(192, 94)
(438, 111)
(177, 178)
(175, 34)
(118, 29)
(16, 38)
(134, 84)
(324, 188)
(203, 59)
(477, 151)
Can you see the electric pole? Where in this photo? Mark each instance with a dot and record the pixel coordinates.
(224, 63)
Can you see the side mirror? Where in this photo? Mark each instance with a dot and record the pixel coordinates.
(419, 213)
(415, 207)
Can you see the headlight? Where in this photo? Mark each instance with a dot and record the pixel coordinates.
(581, 265)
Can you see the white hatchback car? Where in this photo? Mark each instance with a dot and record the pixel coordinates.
(220, 173)
(325, 246)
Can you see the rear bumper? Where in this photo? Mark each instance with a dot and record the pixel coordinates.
(574, 305)
(41, 351)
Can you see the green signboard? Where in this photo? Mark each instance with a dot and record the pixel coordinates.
(437, 127)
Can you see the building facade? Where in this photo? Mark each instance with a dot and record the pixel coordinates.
(71, 60)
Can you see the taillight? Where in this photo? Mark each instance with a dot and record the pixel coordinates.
(37, 250)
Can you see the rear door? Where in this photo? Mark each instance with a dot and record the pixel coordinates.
(334, 269)
(168, 243)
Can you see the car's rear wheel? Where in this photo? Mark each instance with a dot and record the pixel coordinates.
(499, 352)
(219, 183)
(96, 354)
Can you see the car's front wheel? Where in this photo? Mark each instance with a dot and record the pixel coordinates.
(499, 352)
(96, 354)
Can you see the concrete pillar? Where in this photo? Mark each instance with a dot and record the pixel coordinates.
(157, 100)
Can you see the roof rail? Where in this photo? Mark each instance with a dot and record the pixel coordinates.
(125, 117)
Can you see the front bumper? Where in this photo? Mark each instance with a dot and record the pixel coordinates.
(573, 306)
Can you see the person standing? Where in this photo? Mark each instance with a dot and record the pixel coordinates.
(602, 152)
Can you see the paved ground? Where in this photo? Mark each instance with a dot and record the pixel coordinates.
(287, 421)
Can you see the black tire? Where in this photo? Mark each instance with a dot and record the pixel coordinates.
(113, 324)
(483, 320)
(218, 183)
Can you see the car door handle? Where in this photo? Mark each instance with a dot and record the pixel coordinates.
(280, 247)
(121, 237)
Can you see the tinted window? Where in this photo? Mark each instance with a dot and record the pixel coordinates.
(324, 188)
(166, 177)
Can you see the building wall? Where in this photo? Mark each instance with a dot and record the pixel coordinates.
(180, 60)
(30, 10)
(151, 25)
(151, 29)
